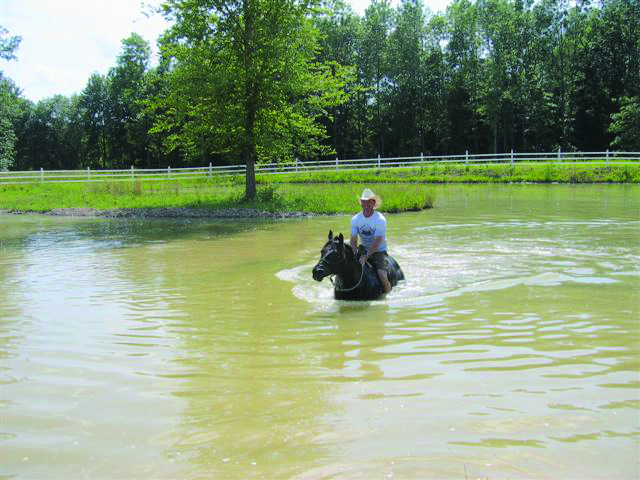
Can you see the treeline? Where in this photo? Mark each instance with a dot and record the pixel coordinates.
(486, 76)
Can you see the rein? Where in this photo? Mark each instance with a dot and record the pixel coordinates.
(348, 289)
(326, 260)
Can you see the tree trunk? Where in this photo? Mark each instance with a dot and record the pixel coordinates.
(251, 157)
(251, 103)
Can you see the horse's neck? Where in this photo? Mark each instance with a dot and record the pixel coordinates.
(350, 274)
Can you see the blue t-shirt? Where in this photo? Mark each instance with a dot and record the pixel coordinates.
(370, 227)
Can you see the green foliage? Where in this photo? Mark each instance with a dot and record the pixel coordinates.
(50, 135)
(245, 81)
(8, 45)
(94, 108)
(10, 103)
(8, 112)
(126, 125)
(625, 125)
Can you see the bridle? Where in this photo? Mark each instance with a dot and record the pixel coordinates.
(325, 259)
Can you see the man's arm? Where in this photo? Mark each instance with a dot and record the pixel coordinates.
(354, 242)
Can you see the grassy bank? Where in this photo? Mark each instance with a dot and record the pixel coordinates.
(314, 192)
(315, 198)
(458, 173)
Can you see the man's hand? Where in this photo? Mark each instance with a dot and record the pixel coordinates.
(363, 259)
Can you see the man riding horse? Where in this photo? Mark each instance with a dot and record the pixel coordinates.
(371, 227)
(371, 275)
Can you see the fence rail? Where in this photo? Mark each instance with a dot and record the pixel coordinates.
(169, 173)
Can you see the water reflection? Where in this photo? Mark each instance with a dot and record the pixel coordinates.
(201, 348)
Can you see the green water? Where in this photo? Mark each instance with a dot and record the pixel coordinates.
(203, 349)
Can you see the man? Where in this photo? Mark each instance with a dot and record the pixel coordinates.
(371, 226)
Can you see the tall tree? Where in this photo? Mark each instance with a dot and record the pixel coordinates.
(378, 24)
(608, 68)
(246, 80)
(466, 105)
(126, 127)
(340, 35)
(10, 102)
(51, 138)
(94, 107)
(9, 112)
(407, 48)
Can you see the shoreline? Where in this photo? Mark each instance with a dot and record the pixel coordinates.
(161, 212)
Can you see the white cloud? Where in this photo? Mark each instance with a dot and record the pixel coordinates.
(65, 41)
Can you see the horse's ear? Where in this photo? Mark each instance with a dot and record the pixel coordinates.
(340, 239)
(330, 235)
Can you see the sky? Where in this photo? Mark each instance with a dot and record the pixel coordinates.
(65, 41)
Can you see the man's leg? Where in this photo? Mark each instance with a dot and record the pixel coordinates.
(384, 280)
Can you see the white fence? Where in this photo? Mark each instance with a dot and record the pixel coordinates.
(88, 175)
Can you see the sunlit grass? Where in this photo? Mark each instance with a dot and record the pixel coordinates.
(315, 192)
(343, 198)
(460, 173)
(314, 198)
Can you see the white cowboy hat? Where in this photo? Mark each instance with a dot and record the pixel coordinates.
(367, 194)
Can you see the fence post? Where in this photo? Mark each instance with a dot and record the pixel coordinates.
(41, 174)
(132, 174)
(466, 157)
(512, 157)
(210, 169)
(378, 161)
(169, 172)
(559, 155)
(337, 163)
(607, 156)
(421, 157)
(88, 173)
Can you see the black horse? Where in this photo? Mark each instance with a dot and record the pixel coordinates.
(352, 280)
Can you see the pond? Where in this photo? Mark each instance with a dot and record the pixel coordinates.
(203, 348)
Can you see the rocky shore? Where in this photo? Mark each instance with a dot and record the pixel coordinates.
(173, 212)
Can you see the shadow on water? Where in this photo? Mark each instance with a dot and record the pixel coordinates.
(30, 231)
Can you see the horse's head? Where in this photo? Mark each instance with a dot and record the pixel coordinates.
(333, 257)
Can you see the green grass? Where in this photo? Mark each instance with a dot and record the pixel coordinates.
(314, 198)
(459, 173)
(315, 192)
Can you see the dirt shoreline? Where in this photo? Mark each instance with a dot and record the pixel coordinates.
(164, 212)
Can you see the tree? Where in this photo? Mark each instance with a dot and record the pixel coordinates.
(608, 68)
(9, 102)
(9, 106)
(52, 137)
(8, 45)
(466, 104)
(374, 65)
(340, 37)
(626, 125)
(94, 107)
(407, 77)
(126, 126)
(246, 80)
